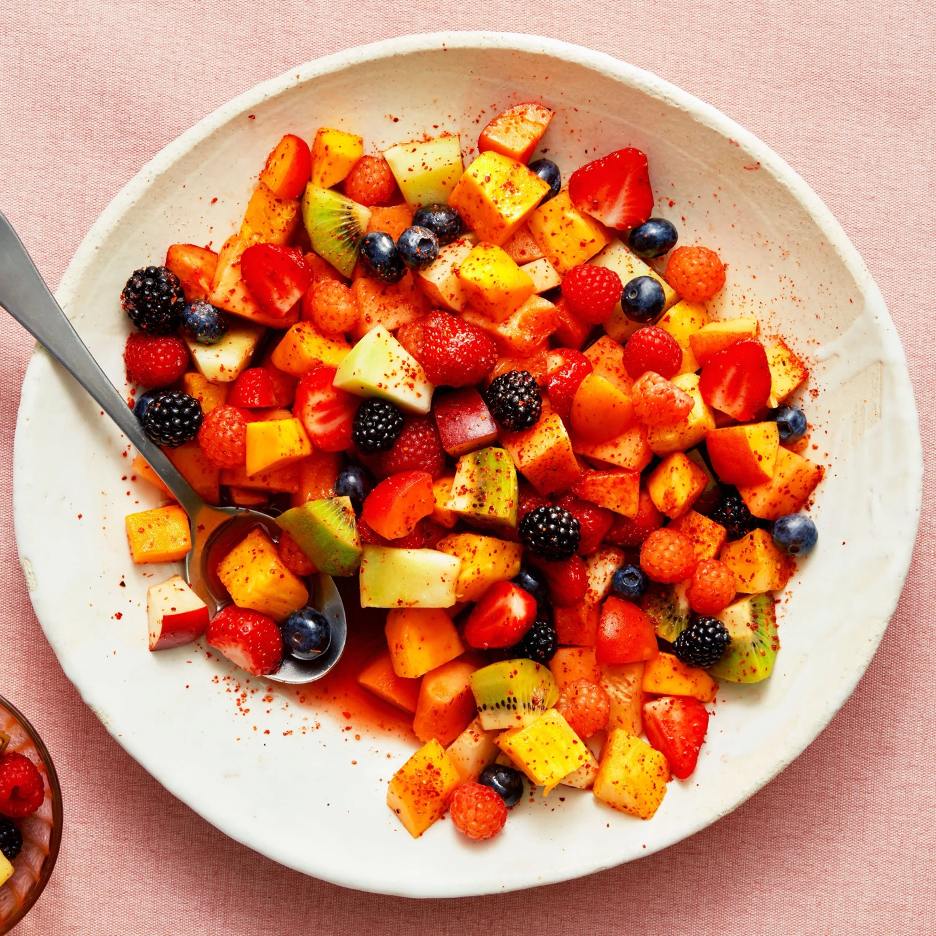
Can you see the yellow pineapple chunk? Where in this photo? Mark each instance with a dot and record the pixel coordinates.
(546, 751)
(484, 561)
(473, 750)
(675, 483)
(624, 684)
(565, 235)
(420, 640)
(690, 430)
(420, 790)
(271, 444)
(256, 578)
(494, 284)
(6, 869)
(304, 347)
(682, 320)
(334, 153)
(632, 776)
(757, 564)
(787, 372)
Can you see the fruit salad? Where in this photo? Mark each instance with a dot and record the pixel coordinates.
(498, 402)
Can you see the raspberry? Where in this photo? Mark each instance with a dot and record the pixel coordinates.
(696, 273)
(417, 448)
(591, 292)
(657, 402)
(712, 587)
(452, 352)
(631, 532)
(223, 437)
(155, 360)
(585, 706)
(668, 556)
(594, 522)
(477, 811)
(331, 306)
(21, 786)
(652, 349)
(370, 181)
(565, 380)
(294, 558)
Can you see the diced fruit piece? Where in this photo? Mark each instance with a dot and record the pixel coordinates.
(752, 624)
(268, 218)
(607, 359)
(794, 479)
(256, 578)
(676, 727)
(566, 369)
(335, 225)
(623, 682)
(280, 480)
(521, 248)
(440, 282)
(544, 454)
(513, 692)
(325, 530)
(632, 532)
(224, 361)
(546, 749)
(516, 131)
(744, 455)
(452, 351)
(697, 273)
(494, 284)
(485, 488)
(465, 423)
(249, 638)
(427, 171)
(210, 395)
(787, 372)
(632, 776)
(446, 705)
(228, 290)
(503, 614)
(664, 674)
(571, 332)
(578, 625)
(571, 664)
(391, 219)
(565, 235)
(318, 475)
(629, 450)
(600, 411)
(276, 276)
(6, 869)
(441, 494)
(756, 563)
(496, 195)
(192, 463)
(393, 305)
(583, 778)
(617, 490)
(304, 347)
(525, 332)
(675, 484)
(334, 153)
(484, 561)
(379, 677)
(473, 750)
(420, 790)
(716, 336)
(668, 608)
(195, 267)
(288, 167)
(625, 633)
(141, 469)
(690, 430)
(275, 443)
(326, 413)
(398, 503)
(543, 274)
(420, 640)
(159, 535)
(682, 321)
(706, 535)
(614, 189)
(407, 578)
(379, 366)
(736, 381)
(176, 615)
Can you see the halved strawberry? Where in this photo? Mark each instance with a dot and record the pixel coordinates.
(736, 381)
(676, 726)
(501, 618)
(614, 189)
(625, 633)
(452, 352)
(564, 379)
(249, 639)
(276, 276)
(253, 389)
(594, 521)
(567, 581)
(327, 413)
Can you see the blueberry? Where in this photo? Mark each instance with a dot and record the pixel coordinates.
(443, 221)
(145, 401)
(506, 782)
(418, 247)
(306, 633)
(630, 582)
(380, 258)
(354, 482)
(203, 323)
(653, 238)
(795, 534)
(643, 299)
(549, 172)
(533, 582)
(791, 421)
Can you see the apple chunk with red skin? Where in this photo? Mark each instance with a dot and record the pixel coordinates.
(744, 454)
(464, 422)
(177, 615)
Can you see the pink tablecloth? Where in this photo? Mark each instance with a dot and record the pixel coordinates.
(844, 840)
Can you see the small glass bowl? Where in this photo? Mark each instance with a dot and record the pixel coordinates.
(42, 832)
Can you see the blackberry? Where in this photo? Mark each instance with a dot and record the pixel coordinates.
(551, 532)
(539, 644)
(514, 400)
(144, 401)
(154, 300)
(702, 643)
(732, 513)
(11, 839)
(377, 425)
(172, 419)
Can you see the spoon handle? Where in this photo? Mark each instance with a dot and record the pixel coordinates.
(24, 294)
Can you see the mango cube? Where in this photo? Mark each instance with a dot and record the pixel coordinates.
(682, 320)
(420, 639)
(210, 395)
(716, 336)
(496, 195)
(566, 235)
(159, 535)
(601, 410)
(628, 450)
(484, 561)
(632, 776)
(193, 465)
(275, 443)
(665, 674)
(304, 347)
(607, 360)
(757, 564)
(690, 430)
(617, 490)
(675, 483)
(744, 454)
(543, 454)
(269, 219)
(794, 479)
(387, 304)
(525, 331)
(545, 751)
(787, 372)
(494, 284)
(283, 480)
(421, 789)
(255, 577)
(427, 171)
(391, 219)
(707, 536)
(334, 153)
(441, 494)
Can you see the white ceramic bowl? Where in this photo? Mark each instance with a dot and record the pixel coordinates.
(315, 800)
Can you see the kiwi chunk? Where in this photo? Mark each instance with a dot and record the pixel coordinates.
(513, 693)
(668, 608)
(335, 225)
(752, 623)
(326, 531)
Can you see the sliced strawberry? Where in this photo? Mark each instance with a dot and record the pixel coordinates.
(567, 581)
(564, 380)
(594, 521)
(501, 618)
(625, 633)
(276, 276)
(398, 503)
(676, 726)
(253, 389)
(327, 413)
(614, 189)
(736, 381)
(248, 639)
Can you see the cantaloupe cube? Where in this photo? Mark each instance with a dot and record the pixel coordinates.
(757, 564)
(141, 469)
(601, 411)
(690, 430)
(283, 480)
(210, 395)
(573, 663)
(421, 789)
(387, 304)
(566, 235)
(495, 285)
(304, 347)
(578, 626)
(632, 776)
(617, 490)
(420, 639)
(392, 219)
(378, 676)
(193, 465)
(269, 219)
(446, 704)
(787, 372)
(682, 320)
(195, 267)
(317, 475)
(546, 751)
(473, 750)
(524, 331)
(544, 454)
(273, 444)
(744, 454)
(544, 275)
(256, 578)
(716, 336)
(707, 536)
(522, 248)
(664, 674)
(484, 561)
(794, 479)
(623, 683)
(607, 360)
(159, 535)
(675, 484)
(334, 153)
(439, 281)
(629, 450)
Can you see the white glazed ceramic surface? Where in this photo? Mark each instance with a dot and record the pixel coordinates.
(300, 798)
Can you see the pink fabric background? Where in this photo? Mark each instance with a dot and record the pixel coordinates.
(844, 840)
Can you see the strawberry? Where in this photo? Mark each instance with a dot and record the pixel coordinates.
(625, 633)
(503, 615)
(155, 361)
(676, 726)
(652, 349)
(253, 389)
(452, 352)
(417, 448)
(631, 532)
(737, 380)
(565, 379)
(594, 521)
(276, 276)
(614, 189)
(567, 581)
(327, 413)
(591, 292)
(249, 639)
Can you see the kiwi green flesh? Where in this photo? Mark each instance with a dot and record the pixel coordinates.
(326, 531)
(668, 608)
(752, 623)
(513, 693)
(335, 225)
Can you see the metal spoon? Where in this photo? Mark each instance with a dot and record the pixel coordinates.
(24, 294)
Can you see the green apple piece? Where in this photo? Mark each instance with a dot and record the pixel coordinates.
(426, 171)
(379, 366)
(752, 623)
(407, 578)
(485, 490)
(224, 361)
(326, 531)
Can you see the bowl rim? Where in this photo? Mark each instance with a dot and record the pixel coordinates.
(660, 89)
